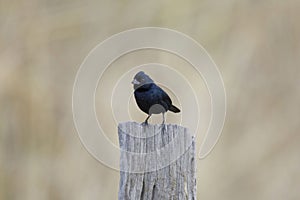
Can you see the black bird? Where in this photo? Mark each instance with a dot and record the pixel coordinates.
(150, 98)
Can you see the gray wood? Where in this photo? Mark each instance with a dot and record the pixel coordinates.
(156, 162)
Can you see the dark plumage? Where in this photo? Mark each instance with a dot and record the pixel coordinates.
(150, 98)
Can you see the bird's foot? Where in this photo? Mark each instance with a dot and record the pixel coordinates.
(145, 123)
(163, 127)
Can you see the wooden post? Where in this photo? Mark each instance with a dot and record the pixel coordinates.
(157, 162)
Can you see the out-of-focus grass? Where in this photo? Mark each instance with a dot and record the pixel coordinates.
(255, 43)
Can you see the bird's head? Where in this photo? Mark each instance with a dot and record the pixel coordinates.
(141, 79)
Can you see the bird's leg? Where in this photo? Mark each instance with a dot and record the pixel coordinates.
(163, 122)
(146, 121)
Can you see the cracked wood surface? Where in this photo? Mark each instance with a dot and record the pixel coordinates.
(156, 162)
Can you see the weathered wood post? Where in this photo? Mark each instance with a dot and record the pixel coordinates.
(157, 162)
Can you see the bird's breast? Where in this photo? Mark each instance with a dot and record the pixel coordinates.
(147, 101)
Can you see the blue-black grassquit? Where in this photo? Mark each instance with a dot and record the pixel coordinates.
(150, 98)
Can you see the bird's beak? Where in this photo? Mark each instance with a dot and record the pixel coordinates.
(135, 82)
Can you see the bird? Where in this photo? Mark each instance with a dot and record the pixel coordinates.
(150, 98)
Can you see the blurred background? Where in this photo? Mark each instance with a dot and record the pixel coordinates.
(256, 45)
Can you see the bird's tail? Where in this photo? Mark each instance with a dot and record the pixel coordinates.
(174, 109)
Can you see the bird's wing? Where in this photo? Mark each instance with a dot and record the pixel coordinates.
(164, 97)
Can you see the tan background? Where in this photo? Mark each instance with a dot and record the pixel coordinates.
(255, 43)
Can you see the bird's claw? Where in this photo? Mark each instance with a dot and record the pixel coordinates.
(145, 123)
(163, 127)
